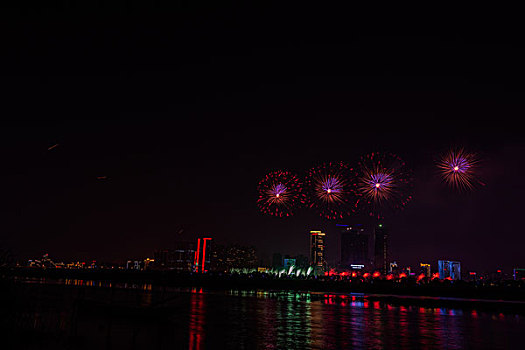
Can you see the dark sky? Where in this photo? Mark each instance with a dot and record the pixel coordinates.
(185, 107)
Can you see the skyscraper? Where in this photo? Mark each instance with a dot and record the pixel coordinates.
(317, 257)
(449, 269)
(381, 248)
(354, 246)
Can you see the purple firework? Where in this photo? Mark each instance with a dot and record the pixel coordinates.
(280, 193)
(384, 183)
(331, 190)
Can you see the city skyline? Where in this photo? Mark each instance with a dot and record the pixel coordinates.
(110, 148)
(260, 175)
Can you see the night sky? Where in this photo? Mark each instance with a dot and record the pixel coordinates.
(185, 108)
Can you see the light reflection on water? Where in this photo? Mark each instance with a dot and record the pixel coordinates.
(288, 320)
(148, 316)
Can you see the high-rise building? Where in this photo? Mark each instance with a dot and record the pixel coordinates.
(449, 269)
(317, 249)
(354, 246)
(380, 248)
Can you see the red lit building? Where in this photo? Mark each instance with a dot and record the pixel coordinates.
(202, 255)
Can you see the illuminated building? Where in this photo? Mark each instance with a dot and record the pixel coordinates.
(201, 258)
(425, 269)
(288, 263)
(354, 246)
(317, 249)
(381, 248)
(449, 269)
(224, 258)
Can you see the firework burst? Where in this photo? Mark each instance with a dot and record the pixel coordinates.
(384, 183)
(280, 192)
(458, 169)
(331, 189)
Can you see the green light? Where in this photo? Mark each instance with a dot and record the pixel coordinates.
(380, 225)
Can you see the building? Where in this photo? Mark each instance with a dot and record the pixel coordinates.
(223, 258)
(449, 269)
(354, 246)
(134, 265)
(180, 258)
(317, 249)
(301, 261)
(381, 248)
(202, 255)
(393, 267)
(519, 274)
(277, 260)
(289, 262)
(425, 269)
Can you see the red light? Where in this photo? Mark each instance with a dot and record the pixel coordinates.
(203, 252)
(366, 275)
(435, 275)
(376, 274)
(420, 277)
(197, 254)
(402, 275)
(389, 277)
(354, 274)
(499, 271)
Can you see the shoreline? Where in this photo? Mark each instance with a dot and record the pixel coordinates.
(459, 296)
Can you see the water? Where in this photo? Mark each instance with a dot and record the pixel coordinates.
(72, 315)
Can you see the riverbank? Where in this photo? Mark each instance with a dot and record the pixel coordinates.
(404, 291)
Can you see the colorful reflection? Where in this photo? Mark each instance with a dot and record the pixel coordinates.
(145, 317)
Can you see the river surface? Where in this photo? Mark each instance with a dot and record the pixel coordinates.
(76, 314)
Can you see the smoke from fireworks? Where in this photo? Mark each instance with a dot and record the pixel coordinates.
(458, 169)
(384, 183)
(332, 190)
(280, 192)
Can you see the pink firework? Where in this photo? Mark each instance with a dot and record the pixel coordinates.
(458, 169)
(280, 193)
(331, 189)
(384, 183)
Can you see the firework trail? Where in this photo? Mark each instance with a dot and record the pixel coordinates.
(280, 193)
